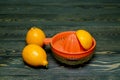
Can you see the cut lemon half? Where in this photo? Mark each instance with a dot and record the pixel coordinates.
(85, 38)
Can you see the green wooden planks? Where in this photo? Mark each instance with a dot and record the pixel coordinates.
(100, 17)
(60, 1)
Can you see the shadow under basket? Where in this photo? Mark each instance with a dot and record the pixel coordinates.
(66, 48)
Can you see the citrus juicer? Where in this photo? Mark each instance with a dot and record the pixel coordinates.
(67, 49)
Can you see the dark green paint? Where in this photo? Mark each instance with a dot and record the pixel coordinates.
(100, 17)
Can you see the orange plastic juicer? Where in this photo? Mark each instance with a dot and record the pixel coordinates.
(67, 48)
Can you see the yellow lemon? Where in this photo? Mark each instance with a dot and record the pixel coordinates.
(85, 38)
(35, 36)
(34, 55)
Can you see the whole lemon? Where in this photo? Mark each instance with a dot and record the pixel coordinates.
(34, 55)
(35, 36)
(85, 38)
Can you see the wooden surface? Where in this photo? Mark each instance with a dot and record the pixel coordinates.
(100, 17)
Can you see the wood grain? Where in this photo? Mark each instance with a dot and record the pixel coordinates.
(100, 17)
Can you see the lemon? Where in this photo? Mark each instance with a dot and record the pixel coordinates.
(34, 55)
(35, 36)
(85, 38)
